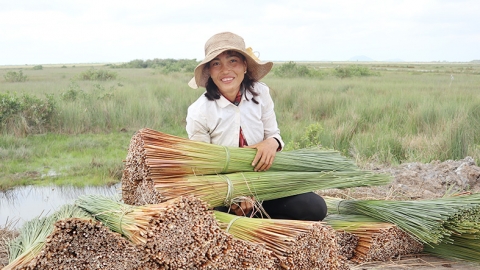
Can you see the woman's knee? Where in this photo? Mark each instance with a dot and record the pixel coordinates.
(310, 206)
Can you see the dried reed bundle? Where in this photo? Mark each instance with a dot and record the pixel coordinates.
(177, 234)
(87, 244)
(243, 255)
(424, 219)
(377, 241)
(224, 189)
(156, 155)
(33, 233)
(298, 244)
(347, 242)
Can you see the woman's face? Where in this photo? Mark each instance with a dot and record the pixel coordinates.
(227, 71)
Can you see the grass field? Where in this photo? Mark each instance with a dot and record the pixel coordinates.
(57, 127)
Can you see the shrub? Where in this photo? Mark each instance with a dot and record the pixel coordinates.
(9, 105)
(38, 67)
(26, 114)
(37, 112)
(351, 71)
(97, 75)
(164, 65)
(72, 93)
(13, 76)
(311, 138)
(291, 70)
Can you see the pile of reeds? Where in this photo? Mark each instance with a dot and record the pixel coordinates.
(154, 155)
(377, 241)
(297, 244)
(33, 234)
(178, 234)
(86, 244)
(423, 219)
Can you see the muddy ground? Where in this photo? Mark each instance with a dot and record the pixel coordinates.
(411, 181)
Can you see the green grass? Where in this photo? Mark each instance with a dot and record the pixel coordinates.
(80, 160)
(401, 112)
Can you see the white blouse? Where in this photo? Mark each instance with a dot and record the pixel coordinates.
(219, 121)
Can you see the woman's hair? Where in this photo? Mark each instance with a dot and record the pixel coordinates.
(247, 84)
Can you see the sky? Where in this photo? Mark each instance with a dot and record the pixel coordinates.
(104, 31)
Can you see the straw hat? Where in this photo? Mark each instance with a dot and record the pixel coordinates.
(226, 41)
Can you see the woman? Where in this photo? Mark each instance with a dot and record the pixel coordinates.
(237, 110)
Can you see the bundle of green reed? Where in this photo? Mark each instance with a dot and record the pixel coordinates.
(464, 247)
(465, 221)
(377, 240)
(424, 219)
(33, 233)
(130, 221)
(298, 244)
(224, 189)
(167, 155)
(156, 155)
(464, 242)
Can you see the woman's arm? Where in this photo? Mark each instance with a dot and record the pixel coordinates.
(197, 129)
(267, 149)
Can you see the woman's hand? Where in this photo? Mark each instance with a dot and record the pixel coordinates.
(244, 207)
(266, 151)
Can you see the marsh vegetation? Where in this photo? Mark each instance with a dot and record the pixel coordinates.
(72, 124)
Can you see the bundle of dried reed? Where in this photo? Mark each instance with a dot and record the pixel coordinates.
(33, 233)
(298, 244)
(377, 241)
(87, 244)
(177, 234)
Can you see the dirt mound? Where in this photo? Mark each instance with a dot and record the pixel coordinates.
(435, 179)
(412, 181)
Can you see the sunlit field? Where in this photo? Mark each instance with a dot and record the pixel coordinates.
(58, 126)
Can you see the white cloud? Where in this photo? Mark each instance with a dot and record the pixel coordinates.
(108, 31)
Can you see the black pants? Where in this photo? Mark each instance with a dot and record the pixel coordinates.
(307, 206)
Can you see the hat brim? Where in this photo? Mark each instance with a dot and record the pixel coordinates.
(256, 69)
